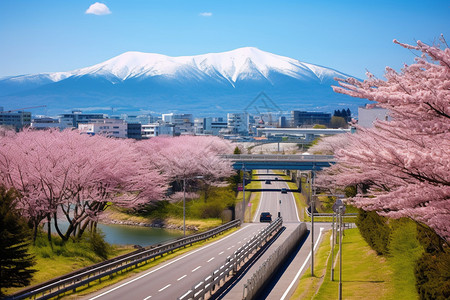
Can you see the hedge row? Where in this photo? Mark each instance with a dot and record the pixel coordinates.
(432, 270)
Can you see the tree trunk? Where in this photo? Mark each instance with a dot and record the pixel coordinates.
(49, 230)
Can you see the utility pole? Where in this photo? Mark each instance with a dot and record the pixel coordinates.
(340, 252)
(243, 192)
(311, 202)
(332, 249)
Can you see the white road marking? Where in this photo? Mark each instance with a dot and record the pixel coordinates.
(221, 253)
(163, 266)
(196, 269)
(146, 298)
(230, 247)
(301, 268)
(181, 277)
(295, 204)
(164, 288)
(210, 259)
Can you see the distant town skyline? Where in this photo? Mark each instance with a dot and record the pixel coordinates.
(349, 36)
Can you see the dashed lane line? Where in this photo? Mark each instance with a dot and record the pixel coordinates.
(196, 269)
(164, 288)
(181, 277)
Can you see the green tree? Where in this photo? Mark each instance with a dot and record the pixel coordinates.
(15, 261)
(338, 122)
(237, 150)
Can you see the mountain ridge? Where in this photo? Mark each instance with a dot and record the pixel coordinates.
(148, 79)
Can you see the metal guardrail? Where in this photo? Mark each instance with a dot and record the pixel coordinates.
(232, 264)
(97, 272)
(276, 157)
(264, 273)
(329, 214)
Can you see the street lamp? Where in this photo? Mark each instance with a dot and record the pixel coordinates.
(184, 202)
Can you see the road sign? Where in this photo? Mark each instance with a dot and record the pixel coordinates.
(338, 204)
(249, 204)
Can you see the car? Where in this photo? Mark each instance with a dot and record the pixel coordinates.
(268, 182)
(265, 217)
(283, 191)
(276, 178)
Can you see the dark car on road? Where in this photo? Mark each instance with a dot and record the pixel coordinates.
(265, 217)
(283, 191)
(268, 182)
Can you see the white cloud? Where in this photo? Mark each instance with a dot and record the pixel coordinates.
(206, 14)
(98, 9)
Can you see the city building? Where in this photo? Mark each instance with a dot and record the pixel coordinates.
(141, 119)
(368, 114)
(17, 119)
(134, 131)
(309, 119)
(184, 122)
(44, 123)
(238, 123)
(77, 117)
(158, 129)
(107, 127)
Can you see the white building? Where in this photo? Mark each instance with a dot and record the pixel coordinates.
(107, 127)
(157, 129)
(238, 123)
(369, 114)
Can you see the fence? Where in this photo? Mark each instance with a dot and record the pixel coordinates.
(263, 275)
(220, 276)
(83, 277)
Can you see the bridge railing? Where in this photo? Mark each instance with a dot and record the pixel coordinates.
(232, 264)
(97, 272)
(276, 157)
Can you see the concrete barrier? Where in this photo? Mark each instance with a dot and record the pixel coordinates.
(263, 275)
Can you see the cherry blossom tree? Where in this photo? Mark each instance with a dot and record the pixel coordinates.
(404, 163)
(76, 176)
(187, 157)
(329, 145)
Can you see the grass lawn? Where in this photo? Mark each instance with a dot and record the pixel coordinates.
(365, 274)
(64, 258)
(73, 256)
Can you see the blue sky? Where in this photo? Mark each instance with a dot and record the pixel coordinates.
(350, 36)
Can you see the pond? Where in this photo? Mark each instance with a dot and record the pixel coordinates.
(132, 235)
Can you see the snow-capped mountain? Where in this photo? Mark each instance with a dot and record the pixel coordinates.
(148, 81)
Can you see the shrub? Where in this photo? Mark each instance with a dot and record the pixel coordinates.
(433, 268)
(375, 230)
(98, 244)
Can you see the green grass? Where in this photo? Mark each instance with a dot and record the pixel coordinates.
(365, 275)
(309, 285)
(64, 258)
(404, 250)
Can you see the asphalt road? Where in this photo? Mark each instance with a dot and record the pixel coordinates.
(275, 202)
(285, 281)
(174, 277)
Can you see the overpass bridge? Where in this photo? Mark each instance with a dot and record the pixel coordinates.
(280, 162)
(308, 133)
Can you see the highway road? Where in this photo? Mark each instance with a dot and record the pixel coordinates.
(171, 279)
(270, 201)
(286, 279)
(174, 277)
